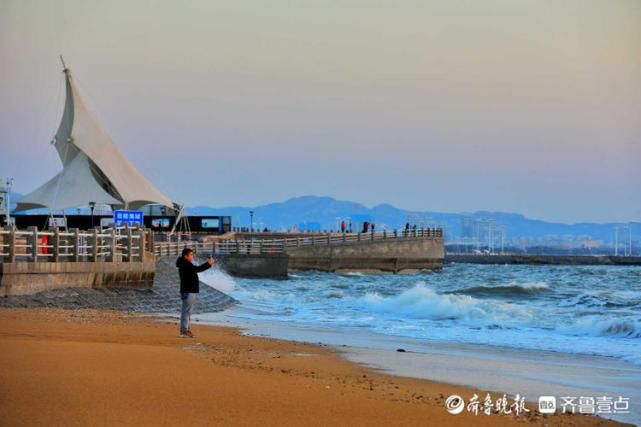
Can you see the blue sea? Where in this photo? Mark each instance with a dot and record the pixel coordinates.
(592, 310)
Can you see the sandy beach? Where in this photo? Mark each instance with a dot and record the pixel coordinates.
(89, 367)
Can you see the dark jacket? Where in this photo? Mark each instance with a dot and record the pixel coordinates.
(188, 272)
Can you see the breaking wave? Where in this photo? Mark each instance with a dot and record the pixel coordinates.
(597, 326)
(422, 302)
(512, 290)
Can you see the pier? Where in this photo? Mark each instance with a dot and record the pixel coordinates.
(33, 261)
(274, 254)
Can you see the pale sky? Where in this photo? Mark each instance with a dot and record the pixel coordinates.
(521, 106)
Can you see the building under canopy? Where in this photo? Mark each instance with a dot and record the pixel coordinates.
(94, 170)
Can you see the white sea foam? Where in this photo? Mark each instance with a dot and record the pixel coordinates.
(422, 302)
(217, 279)
(532, 285)
(537, 308)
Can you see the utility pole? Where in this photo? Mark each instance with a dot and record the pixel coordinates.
(251, 221)
(92, 206)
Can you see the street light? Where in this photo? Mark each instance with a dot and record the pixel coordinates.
(251, 219)
(92, 205)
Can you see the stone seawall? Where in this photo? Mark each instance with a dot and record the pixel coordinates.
(162, 297)
(393, 255)
(27, 278)
(272, 266)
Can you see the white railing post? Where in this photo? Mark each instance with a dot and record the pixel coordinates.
(76, 245)
(12, 244)
(34, 244)
(55, 256)
(130, 245)
(114, 244)
(141, 245)
(95, 248)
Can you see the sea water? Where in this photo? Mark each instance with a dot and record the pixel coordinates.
(592, 310)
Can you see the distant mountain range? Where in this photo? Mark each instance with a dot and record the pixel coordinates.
(326, 210)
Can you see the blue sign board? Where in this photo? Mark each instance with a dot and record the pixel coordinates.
(127, 217)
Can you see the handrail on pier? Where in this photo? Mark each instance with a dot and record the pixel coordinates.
(115, 244)
(275, 246)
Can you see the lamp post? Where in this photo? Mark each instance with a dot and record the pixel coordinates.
(92, 205)
(251, 221)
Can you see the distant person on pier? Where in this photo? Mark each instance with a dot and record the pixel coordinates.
(189, 287)
(373, 228)
(343, 227)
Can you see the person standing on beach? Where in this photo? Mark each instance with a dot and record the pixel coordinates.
(189, 287)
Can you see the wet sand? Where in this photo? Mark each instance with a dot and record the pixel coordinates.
(89, 367)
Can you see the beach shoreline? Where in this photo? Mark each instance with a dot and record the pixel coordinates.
(528, 372)
(78, 367)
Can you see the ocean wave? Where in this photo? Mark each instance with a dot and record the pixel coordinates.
(334, 295)
(422, 302)
(503, 290)
(599, 326)
(353, 274)
(597, 301)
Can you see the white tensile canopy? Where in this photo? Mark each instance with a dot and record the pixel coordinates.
(94, 170)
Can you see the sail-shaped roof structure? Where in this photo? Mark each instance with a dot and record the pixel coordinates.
(94, 169)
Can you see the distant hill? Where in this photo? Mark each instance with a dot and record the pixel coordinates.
(325, 210)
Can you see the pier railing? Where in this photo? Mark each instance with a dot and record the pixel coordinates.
(121, 244)
(273, 246)
(124, 244)
(223, 247)
(352, 238)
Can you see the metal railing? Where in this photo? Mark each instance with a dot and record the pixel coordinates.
(116, 244)
(222, 247)
(273, 246)
(355, 238)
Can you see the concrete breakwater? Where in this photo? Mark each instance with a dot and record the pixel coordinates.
(543, 259)
(393, 255)
(270, 255)
(256, 266)
(162, 297)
